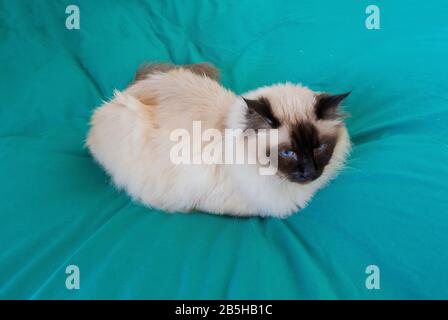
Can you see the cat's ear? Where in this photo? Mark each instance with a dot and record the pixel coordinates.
(259, 114)
(326, 107)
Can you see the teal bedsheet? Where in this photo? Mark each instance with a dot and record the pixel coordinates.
(388, 208)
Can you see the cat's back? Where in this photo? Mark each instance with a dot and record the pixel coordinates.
(155, 106)
(130, 135)
(179, 97)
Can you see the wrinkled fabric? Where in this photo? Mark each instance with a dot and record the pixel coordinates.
(388, 208)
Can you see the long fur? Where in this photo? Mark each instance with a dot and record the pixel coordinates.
(130, 138)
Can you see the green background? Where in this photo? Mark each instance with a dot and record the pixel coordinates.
(388, 207)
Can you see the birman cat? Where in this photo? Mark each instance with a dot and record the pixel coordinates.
(131, 136)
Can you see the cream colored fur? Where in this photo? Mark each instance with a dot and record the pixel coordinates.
(130, 138)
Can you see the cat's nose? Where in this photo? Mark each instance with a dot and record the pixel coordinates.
(310, 172)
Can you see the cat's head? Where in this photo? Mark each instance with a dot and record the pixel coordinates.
(312, 138)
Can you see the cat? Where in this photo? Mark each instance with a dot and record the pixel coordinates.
(130, 136)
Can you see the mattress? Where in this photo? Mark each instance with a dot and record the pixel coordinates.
(388, 210)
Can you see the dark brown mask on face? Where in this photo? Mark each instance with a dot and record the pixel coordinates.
(305, 157)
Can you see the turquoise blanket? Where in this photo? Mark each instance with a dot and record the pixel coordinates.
(388, 209)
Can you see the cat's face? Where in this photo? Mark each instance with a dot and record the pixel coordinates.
(310, 128)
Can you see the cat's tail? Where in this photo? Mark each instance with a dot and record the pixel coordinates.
(127, 101)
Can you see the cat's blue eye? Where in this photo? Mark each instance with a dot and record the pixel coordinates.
(322, 147)
(288, 153)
